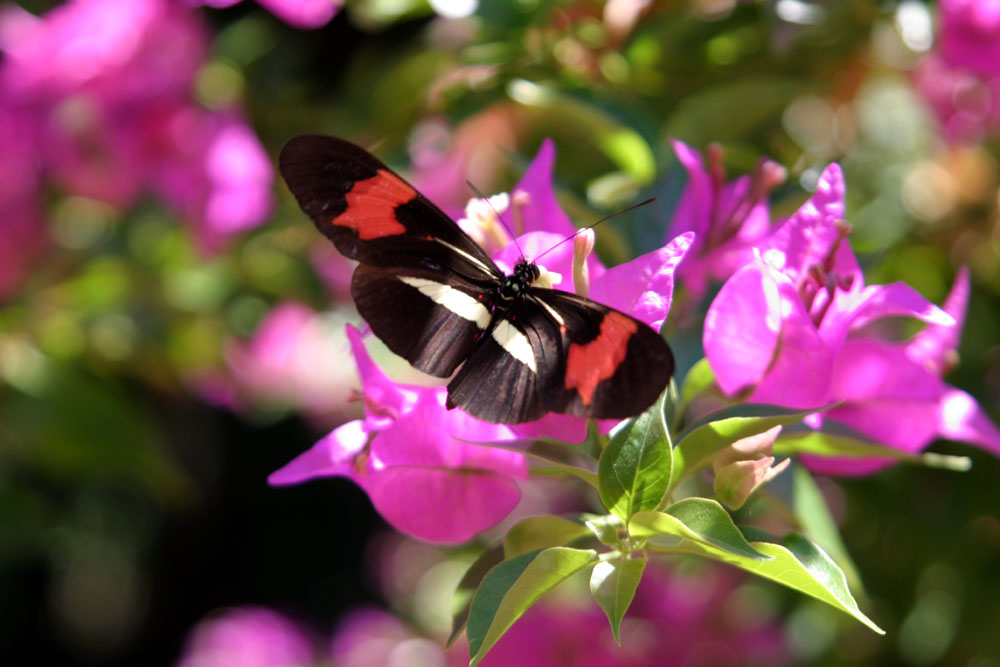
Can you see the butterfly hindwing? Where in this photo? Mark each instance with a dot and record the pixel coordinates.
(431, 318)
(371, 214)
(607, 365)
(499, 381)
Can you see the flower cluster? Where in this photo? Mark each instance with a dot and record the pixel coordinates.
(96, 99)
(960, 80)
(797, 326)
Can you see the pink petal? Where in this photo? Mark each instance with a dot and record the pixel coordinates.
(934, 344)
(303, 13)
(870, 369)
(434, 487)
(561, 427)
(800, 375)
(963, 420)
(810, 234)
(385, 400)
(441, 505)
(644, 287)
(331, 456)
(693, 212)
(894, 300)
(742, 328)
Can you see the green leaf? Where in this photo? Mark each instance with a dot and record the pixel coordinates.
(462, 599)
(510, 588)
(613, 584)
(817, 523)
(635, 468)
(846, 445)
(798, 564)
(540, 532)
(699, 444)
(699, 520)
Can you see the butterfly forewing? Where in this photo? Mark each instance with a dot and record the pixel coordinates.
(374, 216)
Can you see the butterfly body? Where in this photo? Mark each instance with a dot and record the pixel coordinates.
(437, 299)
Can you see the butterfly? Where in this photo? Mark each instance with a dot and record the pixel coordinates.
(435, 297)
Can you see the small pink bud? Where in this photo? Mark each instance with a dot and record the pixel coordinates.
(583, 245)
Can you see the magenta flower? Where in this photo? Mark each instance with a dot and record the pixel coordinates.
(893, 393)
(791, 328)
(413, 458)
(216, 175)
(298, 358)
(108, 86)
(21, 222)
(304, 14)
(966, 105)
(960, 80)
(249, 637)
(970, 35)
(726, 218)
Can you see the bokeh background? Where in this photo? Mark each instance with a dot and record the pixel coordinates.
(171, 325)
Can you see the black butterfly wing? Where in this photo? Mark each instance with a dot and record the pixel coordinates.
(499, 381)
(374, 216)
(607, 364)
(431, 322)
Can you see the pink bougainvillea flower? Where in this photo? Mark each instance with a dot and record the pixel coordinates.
(969, 35)
(216, 174)
(21, 225)
(249, 637)
(966, 105)
(297, 357)
(414, 459)
(960, 79)
(791, 328)
(726, 218)
(109, 86)
(893, 393)
(304, 14)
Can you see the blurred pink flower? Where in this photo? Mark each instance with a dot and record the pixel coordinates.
(21, 221)
(966, 105)
(217, 176)
(960, 79)
(790, 328)
(969, 35)
(296, 357)
(108, 86)
(413, 458)
(726, 218)
(305, 14)
(247, 637)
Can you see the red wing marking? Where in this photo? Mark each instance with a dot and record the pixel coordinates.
(588, 364)
(371, 206)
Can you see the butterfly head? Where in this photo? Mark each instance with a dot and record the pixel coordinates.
(515, 284)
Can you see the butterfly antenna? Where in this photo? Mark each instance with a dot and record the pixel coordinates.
(580, 231)
(499, 217)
